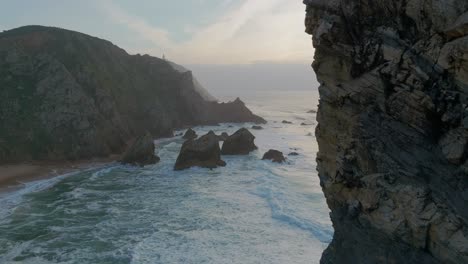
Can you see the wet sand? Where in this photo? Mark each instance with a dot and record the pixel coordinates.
(12, 176)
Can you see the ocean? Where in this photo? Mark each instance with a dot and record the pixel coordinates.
(250, 211)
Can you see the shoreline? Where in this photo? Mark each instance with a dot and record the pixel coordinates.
(12, 176)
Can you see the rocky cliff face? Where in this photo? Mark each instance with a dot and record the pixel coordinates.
(393, 128)
(66, 95)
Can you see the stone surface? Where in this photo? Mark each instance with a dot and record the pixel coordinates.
(240, 143)
(391, 132)
(190, 134)
(66, 95)
(203, 152)
(223, 136)
(274, 155)
(141, 153)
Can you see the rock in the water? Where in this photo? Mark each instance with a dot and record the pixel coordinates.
(190, 134)
(223, 136)
(293, 154)
(286, 122)
(240, 143)
(141, 152)
(275, 156)
(257, 127)
(203, 152)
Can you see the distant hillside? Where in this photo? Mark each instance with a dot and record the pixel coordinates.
(67, 95)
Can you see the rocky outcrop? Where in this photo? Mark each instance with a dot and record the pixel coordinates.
(203, 152)
(66, 95)
(239, 143)
(141, 153)
(223, 136)
(190, 134)
(392, 129)
(274, 155)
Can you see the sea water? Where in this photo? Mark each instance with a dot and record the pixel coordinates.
(250, 211)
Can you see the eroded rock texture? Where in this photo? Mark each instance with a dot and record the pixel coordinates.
(393, 128)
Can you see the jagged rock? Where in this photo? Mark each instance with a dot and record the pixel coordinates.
(203, 152)
(223, 136)
(141, 152)
(257, 127)
(391, 128)
(274, 155)
(286, 122)
(190, 134)
(240, 143)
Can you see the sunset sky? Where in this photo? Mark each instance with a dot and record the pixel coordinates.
(188, 32)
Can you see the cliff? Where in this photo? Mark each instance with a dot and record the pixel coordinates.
(67, 95)
(393, 128)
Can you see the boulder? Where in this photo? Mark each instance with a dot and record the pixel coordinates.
(240, 143)
(203, 152)
(223, 136)
(190, 134)
(141, 153)
(275, 156)
(257, 127)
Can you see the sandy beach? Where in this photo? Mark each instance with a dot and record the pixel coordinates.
(13, 175)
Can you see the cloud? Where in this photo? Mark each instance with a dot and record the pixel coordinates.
(254, 30)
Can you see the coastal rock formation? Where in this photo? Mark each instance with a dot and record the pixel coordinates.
(203, 152)
(393, 128)
(141, 153)
(275, 156)
(66, 95)
(223, 136)
(190, 134)
(240, 143)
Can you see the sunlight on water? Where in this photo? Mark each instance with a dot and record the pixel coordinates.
(251, 211)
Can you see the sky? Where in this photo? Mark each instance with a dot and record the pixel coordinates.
(187, 31)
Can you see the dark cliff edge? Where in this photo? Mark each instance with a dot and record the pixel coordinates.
(393, 128)
(65, 95)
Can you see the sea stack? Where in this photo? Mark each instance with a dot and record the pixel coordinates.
(240, 143)
(203, 152)
(141, 153)
(392, 128)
